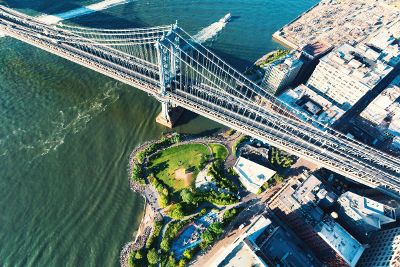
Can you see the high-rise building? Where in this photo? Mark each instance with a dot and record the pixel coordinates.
(384, 249)
(384, 111)
(363, 215)
(282, 72)
(348, 249)
(298, 204)
(348, 73)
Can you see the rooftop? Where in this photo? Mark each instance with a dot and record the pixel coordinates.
(340, 240)
(242, 253)
(360, 62)
(307, 191)
(316, 49)
(253, 174)
(279, 247)
(308, 102)
(339, 21)
(288, 62)
(368, 211)
(384, 110)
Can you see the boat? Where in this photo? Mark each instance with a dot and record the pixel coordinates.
(226, 18)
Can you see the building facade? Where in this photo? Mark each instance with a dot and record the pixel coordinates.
(363, 215)
(384, 112)
(297, 204)
(282, 72)
(384, 249)
(348, 73)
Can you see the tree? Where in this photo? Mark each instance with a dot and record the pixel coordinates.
(152, 256)
(187, 196)
(171, 260)
(216, 228)
(132, 262)
(229, 215)
(187, 254)
(138, 255)
(176, 211)
(165, 245)
(163, 200)
(278, 179)
(207, 237)
(182, 263)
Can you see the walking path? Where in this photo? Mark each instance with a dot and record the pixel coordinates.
(152, 211)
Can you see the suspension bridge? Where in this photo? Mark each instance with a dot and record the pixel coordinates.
(168, 64)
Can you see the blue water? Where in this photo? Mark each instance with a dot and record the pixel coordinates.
(66, 132)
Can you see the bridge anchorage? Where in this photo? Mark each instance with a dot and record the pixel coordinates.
(168, 64)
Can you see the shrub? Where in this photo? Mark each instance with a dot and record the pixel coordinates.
(163, 200)
(156, 232)
(176, 211)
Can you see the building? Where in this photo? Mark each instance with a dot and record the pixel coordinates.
(299, 204)
(241, 252)
(337, 22)
(251, 174)
(282, 72)
(384, 111)
(306, 103)
(363, 215)
(345, 245)
(384, 249)
(385, 44)
(348, 73)
(265, 243)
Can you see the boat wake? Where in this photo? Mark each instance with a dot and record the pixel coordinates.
(54, 19)
(212, 31)
(40, 141)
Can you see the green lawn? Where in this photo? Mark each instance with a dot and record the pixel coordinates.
(219, 151)
(166, 162)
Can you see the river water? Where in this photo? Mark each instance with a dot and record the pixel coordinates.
(66, 132)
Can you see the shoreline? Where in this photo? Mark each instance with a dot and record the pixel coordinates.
(146, 223)
(150, 213)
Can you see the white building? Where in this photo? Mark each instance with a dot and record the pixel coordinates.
(306, 102)
(251, 174)
(241, 253)
(280, 73)
(348, 73)
(384, 111)
(341, 241)
(364, 214)
(384, 249)
(385, 43)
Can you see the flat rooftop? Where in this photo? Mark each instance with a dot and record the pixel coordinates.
(386, 106)
(341, 241)
(359, 62)
(336, 22)
(364, 209)
(242, 256)
(280, 245)
(254, 173)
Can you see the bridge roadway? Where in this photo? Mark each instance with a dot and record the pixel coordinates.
(237, 111)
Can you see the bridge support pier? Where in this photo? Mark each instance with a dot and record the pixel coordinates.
(169, 115)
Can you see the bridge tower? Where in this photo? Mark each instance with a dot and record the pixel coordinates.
(169, 68)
